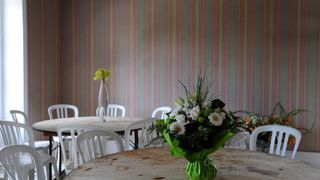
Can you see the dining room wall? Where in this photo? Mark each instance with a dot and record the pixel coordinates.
(255, 53)
(44, 57)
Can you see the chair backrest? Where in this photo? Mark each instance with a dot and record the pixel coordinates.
(91, 144)
(12, 156)
(146, 135)
(161, 111)
(282, 134)
(14, 133)
(100, 111)
(73, 131)
(62, 111)
(19, 116)
(113, 110)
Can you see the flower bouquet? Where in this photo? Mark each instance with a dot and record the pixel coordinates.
(196, 128)
(278, 116)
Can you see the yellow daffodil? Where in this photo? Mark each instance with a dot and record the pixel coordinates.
(102, 74)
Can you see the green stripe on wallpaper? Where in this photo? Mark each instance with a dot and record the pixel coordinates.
(256, 53)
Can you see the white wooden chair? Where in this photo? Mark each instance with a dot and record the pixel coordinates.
(62, 111)
(113, 110)
(280, 135)
(160, 112)
(91, 144)
(21, 117)
(73, 132)
(146, 133)
(13, 159)
(13, 133)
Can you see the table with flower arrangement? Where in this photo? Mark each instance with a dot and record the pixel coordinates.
(158, 163)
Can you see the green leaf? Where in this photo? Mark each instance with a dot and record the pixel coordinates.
(185, 89)
(296, 111)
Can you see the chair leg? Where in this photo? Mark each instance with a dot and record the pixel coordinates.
(64, 156)
(48, 171)
(56, 173)
(55, 152)
(31, 174)
(70, 150)
(5, 176)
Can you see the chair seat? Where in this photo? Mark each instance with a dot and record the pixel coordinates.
(45, 158)
(41, 144)
(26, 162)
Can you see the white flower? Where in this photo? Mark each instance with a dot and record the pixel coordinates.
(192, 100)
(186, 104)
(216, 119)
(194, 113)
(254, 119)
(206, 104)
(186, 110)
(177, 128)
(223, 115)
(174, 112)
(180, 118)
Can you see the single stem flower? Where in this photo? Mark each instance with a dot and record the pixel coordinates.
(102, 74)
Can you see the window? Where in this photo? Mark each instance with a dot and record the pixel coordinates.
(11, 57)
(1, 70)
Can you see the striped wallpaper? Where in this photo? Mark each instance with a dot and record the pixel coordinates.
(256, 53)
(44, 57)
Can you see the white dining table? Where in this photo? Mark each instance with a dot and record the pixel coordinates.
(158, 163)
(116, 124)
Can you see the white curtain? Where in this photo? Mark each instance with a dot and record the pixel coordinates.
(12, 75)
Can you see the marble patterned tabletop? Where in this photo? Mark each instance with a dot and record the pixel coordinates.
(157, 163)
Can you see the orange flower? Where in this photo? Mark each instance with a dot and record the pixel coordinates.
(292, 140)
(288, 121)
(248, 119)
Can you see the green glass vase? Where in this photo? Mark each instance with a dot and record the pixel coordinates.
(203, 169)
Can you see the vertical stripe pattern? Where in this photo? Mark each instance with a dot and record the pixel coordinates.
(44, 55)
(255, 53)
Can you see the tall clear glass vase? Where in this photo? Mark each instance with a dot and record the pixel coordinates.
(103, 100)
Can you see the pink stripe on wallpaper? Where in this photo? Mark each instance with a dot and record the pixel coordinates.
(256, 53)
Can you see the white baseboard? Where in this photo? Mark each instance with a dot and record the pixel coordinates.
(312, 158)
